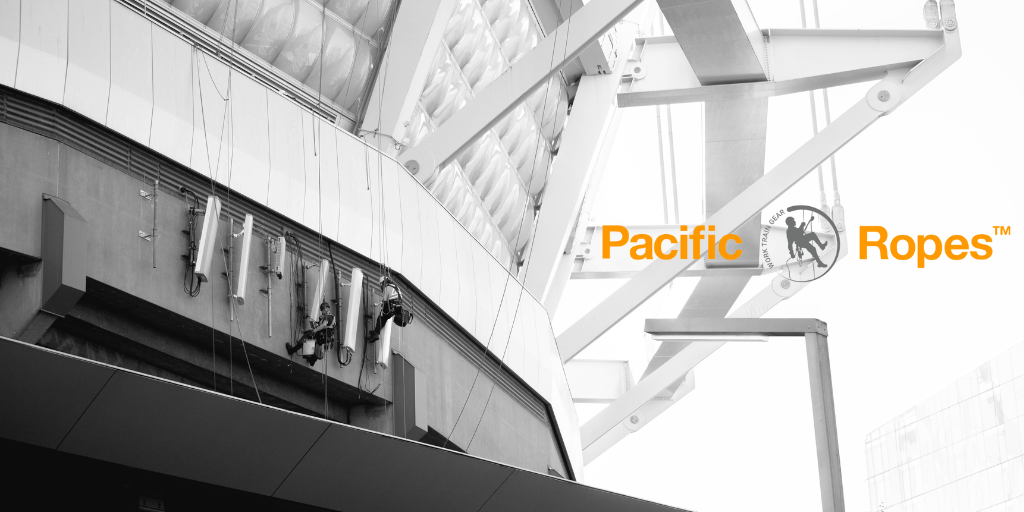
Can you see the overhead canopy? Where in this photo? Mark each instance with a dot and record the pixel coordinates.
(82, 407)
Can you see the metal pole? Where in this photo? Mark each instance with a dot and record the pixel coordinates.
(270, 289)
(672, 163)
(231, 258)
(826, 438)
(156, 185)
(661, 161)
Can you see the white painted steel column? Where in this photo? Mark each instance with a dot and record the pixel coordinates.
(566, 261)
(587, 131)
(415, 39)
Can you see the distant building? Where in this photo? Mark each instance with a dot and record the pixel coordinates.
(960, 450)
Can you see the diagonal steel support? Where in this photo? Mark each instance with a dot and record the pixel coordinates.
(527, 75)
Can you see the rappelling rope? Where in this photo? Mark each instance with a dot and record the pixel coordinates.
(837, 210)
(523, 219)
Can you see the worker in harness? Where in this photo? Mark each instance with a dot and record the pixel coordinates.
(318, 338)
(392, 307)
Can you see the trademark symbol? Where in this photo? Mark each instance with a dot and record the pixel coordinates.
(1001, 230)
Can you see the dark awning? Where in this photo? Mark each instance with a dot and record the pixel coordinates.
(83, 407)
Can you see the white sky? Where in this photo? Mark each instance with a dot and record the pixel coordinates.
(946, 162)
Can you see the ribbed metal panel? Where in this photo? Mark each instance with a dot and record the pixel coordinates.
(82, 134)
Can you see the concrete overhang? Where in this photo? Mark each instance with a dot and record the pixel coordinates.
(82, 407)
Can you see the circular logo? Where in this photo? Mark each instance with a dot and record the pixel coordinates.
(800, 243)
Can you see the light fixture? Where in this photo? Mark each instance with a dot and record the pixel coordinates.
(692, 338)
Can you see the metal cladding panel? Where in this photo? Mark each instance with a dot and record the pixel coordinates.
(467, 285)
(355, 228)
(130, 111)
(376, 204)
(250, 138)
(450, 283)
(155, 425)
(430, 280)
(505, 331)
(172, 97)
(412, 234)
(395, 475)
(311, 131)
(10, 40)
(89, 59)
(500, 280)
(43, 57)
(210, 128)
(547, 353)
(565, 415)
(482, 278)
(392, 212)
(46, 394)
(330, 195)
(287, 174)
(514, 352)
(531, 361)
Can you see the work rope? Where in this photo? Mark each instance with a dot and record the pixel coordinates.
(508, 340)
(837, 210)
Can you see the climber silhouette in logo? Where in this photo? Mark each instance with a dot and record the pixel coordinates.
(803, 240)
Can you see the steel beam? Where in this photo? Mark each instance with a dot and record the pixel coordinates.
(799, 59)
(528, 74)
(803, 53)
(720, 37)
(594, 60)
(416, 37)
(585, 134)
(566, 261)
